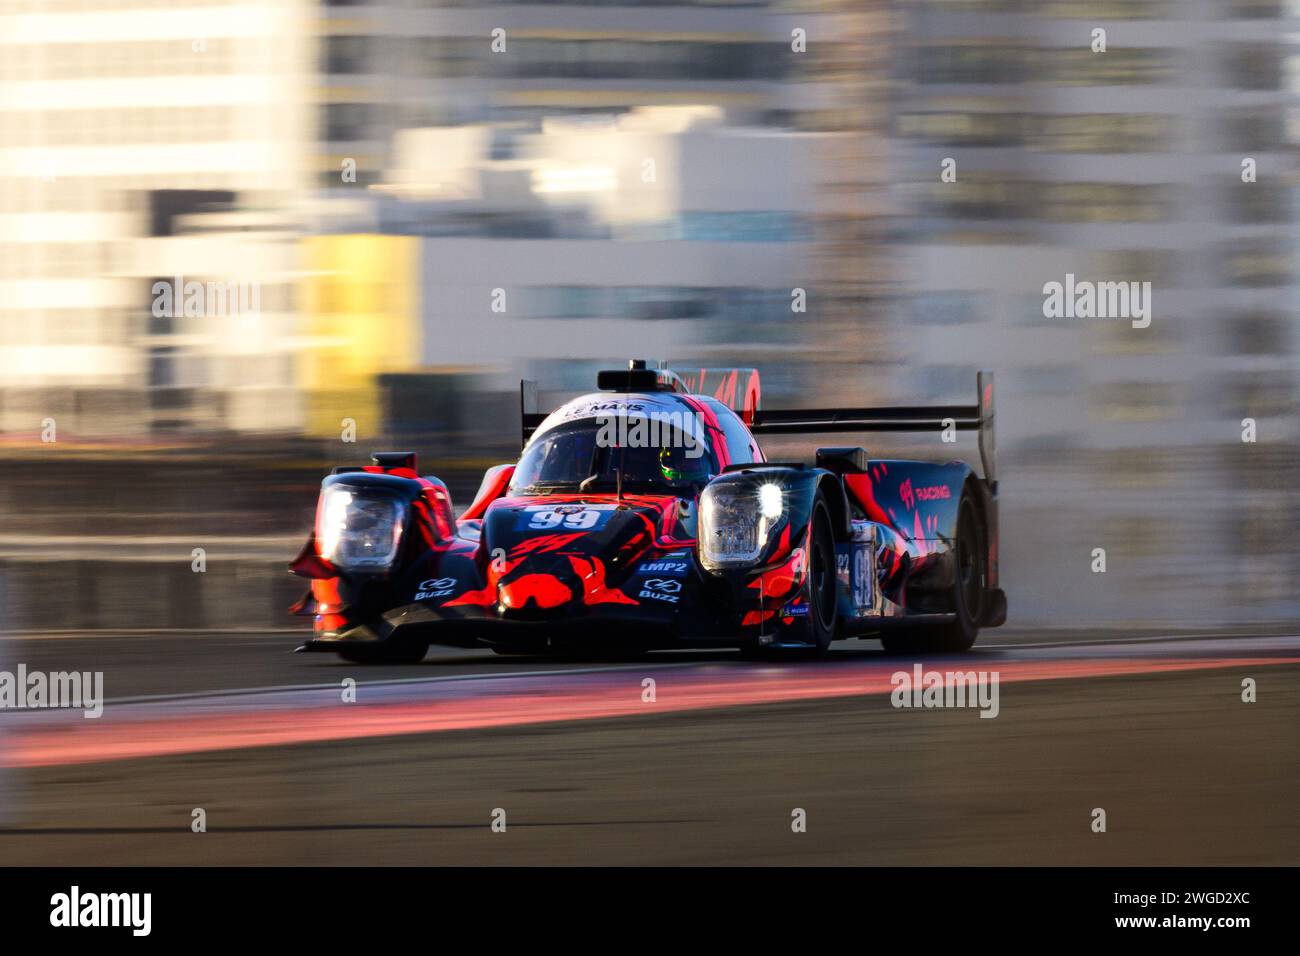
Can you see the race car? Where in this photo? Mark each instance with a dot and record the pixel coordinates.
(645, 515)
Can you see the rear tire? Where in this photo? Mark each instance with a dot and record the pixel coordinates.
(968, 593)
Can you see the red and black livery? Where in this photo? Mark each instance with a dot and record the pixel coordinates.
(646, 515)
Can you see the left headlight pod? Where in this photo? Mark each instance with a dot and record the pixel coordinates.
(735, 522)
(358, 529)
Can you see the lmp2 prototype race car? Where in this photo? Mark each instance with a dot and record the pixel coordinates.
(645, 515)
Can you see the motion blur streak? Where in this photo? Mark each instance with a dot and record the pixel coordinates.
(265, 720)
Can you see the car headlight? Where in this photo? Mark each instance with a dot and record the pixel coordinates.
(735, 521)
(357, 531)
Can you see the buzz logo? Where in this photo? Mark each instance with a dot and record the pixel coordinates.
(437, 587)
(661, 589)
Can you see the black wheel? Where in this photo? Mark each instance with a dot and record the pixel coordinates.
(968, 593)
(820, 592)
(406, 652)
(823, 582)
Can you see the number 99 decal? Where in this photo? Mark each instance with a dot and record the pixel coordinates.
(562, 518)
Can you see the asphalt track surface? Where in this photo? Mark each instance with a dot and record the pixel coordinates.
(1149, 726)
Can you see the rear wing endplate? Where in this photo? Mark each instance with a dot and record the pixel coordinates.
(529, 416)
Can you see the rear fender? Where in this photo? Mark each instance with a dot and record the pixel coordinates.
(918, 499)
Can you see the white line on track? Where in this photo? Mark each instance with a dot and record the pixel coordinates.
(394, 681)
(1146, 640)
(647, 664)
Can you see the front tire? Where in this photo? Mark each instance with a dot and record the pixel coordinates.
(821, 584)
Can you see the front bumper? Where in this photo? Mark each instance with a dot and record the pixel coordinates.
(662, 626)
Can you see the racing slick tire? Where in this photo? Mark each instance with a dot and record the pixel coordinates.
(820, 591)
(405, 652)
(968, 593)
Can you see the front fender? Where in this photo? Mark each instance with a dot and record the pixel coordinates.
(338, 597)
(774, 581)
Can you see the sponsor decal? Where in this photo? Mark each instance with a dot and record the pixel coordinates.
(933, 492)
(666, 585)
(562, 517)
(637, 406)
(435, 588)
(795, 610)
(910, 496)
(610, 407)
(676, 568)
(666, 598)
(661, 589)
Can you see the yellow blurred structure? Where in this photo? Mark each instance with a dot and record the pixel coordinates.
(360, 313)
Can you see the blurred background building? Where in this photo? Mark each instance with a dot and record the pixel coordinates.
(1117, 166)
(118, 122)
(429, 209)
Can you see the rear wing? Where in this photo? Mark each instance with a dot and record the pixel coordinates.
(895, 418)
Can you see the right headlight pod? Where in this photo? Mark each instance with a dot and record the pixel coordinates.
(736, 519)
(357, 530)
